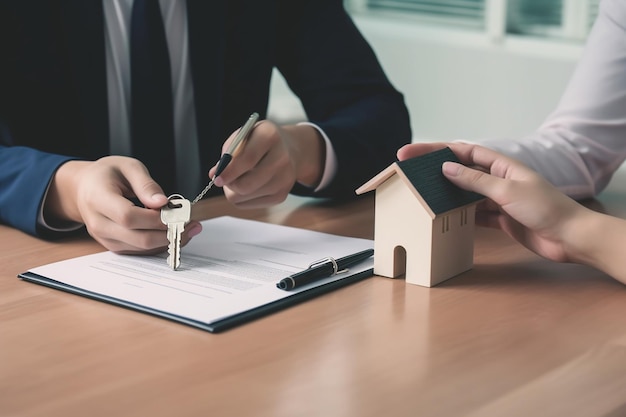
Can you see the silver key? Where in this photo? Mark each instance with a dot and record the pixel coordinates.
(175, 214)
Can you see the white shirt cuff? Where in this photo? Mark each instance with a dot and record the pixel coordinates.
(330, 167)
(41, 221)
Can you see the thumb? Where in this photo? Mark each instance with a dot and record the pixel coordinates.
(468, 178)
(144, 187)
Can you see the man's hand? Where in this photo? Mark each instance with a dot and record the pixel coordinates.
(98, 193)
(266, 166)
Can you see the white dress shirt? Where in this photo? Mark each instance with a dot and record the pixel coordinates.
(583, 142)
(117, 15)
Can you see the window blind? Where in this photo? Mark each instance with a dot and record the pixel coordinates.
(535, 17)
(570, 19)
(463, 12)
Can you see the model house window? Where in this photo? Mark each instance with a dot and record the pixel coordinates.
(560, 19)
(463, 217)
(445, 224)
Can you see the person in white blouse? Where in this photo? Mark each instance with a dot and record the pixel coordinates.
(575, 151)
(583, 142)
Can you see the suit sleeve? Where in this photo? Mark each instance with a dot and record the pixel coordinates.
(25, 173)
(24, 177)
(343, 89)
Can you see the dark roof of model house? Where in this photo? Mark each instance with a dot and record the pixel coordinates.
(423, 174)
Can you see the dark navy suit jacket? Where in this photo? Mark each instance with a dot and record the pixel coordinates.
(53, 95)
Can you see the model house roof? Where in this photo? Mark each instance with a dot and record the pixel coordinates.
(424, 177)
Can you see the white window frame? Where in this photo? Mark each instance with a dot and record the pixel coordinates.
(576, 19)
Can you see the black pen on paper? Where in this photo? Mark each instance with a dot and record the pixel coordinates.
(323, 268)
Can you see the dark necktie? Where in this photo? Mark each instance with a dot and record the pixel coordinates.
(151, 94)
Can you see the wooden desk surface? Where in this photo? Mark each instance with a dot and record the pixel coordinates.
(515, 336)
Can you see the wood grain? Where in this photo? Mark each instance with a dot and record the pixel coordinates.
(516, 335)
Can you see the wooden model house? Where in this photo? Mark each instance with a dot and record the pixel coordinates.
(424, 226)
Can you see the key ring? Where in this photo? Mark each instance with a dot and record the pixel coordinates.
(174, 197)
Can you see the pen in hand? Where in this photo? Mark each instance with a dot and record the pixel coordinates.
(323, 269)
(241, 136)
(228, 155)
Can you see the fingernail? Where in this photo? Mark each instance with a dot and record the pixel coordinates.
(219, 182)
(158, 196)
(194, 231)
(452, 168)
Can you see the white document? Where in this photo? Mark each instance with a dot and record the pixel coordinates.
(227, 276)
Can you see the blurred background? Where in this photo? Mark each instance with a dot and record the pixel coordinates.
(469, 69)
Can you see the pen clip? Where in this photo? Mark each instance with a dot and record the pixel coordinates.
(331, 261)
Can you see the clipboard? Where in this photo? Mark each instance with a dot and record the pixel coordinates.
(222, 283)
